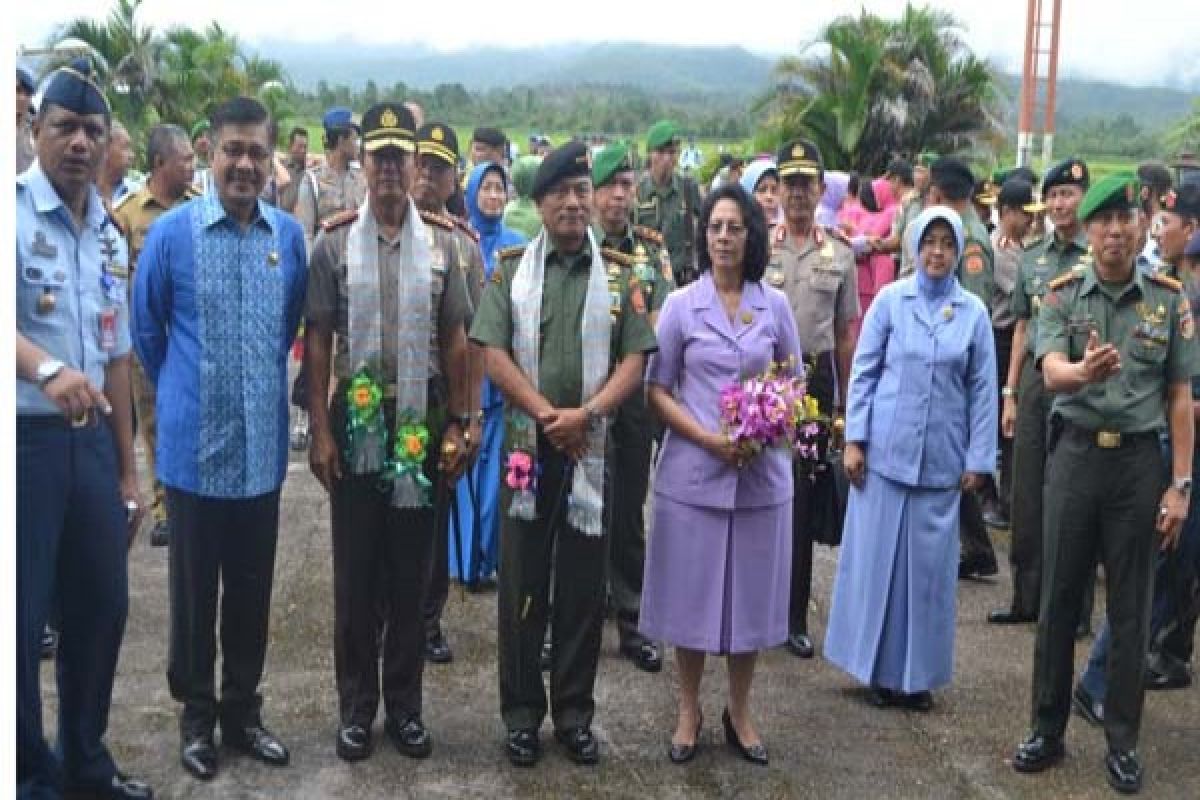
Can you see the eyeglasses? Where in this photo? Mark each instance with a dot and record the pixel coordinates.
(235, 151)
(735, 229)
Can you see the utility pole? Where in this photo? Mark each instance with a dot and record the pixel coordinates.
(1039, 79)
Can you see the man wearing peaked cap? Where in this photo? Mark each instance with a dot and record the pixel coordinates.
(76, 473)
(638, 253)
(1026, 408)
(818, 274)
(384, 544)
(435, 184)
(566, 335)
(668, 202)
(1104, 323)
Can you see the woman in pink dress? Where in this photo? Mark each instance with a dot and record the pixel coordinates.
(872, 217)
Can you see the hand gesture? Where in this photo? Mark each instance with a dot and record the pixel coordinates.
(74, 394)
(854, 461)
(1100, 361)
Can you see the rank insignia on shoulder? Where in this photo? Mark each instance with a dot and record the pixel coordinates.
(616, 257)
(649, 234)
(438, 220)
(467, 229)
(1064, 279)
(1166, 280)
(339, 219)
(496, 277)
(516, 251)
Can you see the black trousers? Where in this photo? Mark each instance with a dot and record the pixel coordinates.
(972, 531)
(1003, 488)
(226, 546)
(631, 440)
(820, 385)
(438, 590)
(1099, 503)
(381, 559)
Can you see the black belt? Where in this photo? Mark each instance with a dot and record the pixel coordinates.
(86, 421)
(1106, 439)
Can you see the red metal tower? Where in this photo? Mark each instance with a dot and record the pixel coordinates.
(1039, 76)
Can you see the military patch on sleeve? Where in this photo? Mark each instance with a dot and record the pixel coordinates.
(516, 251)
(973, 261)
(1187, 324)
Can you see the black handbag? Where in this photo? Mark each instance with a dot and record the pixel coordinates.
(828, 495)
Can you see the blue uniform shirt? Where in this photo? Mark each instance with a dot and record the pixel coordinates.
(70, 285)
(215, 310)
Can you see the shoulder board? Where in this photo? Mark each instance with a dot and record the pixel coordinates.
(190, 193)
(117, 206)
(1166, 280)
(1065, 279)
(339, 219)
(439, 220)
(516, 251)
(467, 229)
(649, 234)
(616, 256)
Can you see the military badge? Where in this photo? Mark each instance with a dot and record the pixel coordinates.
(948, 313)
(747, 318)
(1077, 171)
(46, 302)
(437, 135)
(42, 248)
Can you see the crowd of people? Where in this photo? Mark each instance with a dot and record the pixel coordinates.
(501, 356)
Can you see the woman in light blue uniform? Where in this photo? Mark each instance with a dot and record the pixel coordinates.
(920, 427)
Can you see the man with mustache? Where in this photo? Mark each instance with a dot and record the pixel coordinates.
(217, 300)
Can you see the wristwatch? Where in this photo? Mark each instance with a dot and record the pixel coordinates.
(1008, 391)
(47, 370)
(1182, 485)
(593, 416)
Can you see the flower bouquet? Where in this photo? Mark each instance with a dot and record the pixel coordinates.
(812, 439)
(760, 412)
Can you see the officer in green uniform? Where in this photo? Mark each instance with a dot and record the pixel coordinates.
(910, 207)
(952, 184)
(565, 421)
(1117, 346)
(635, 250)
(1026, 401)
(669, 202)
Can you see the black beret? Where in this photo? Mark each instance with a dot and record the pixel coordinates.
(72, 87)
(438, 139)
(949, 173)
(1154, 176)
(569, 161)
(1184, 201)
(1072, 172)
(489, 136)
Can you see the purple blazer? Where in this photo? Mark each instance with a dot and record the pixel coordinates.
(700, 352)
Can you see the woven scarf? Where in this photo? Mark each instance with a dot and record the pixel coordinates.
(366, 330)
(586, 502)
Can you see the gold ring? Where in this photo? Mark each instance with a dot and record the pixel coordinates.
(449, 448)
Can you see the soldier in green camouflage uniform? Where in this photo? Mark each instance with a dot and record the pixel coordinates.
(669, 202)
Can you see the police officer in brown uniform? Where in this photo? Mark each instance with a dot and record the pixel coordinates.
(819, 276)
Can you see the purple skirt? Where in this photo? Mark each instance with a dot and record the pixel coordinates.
(717, 581)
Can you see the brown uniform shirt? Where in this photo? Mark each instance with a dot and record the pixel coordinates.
(820, 279)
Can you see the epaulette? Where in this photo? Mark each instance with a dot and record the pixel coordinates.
(516, 251)
(624, 259)
(1067, 278)
(339, 219)
(440, 220)
(462, 225)
(649, 234)
(1166, 280)
(117, 206)
(190, 193)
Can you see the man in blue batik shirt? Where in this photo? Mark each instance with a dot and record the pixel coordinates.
(217, 298)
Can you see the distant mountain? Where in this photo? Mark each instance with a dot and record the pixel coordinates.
(668, 71)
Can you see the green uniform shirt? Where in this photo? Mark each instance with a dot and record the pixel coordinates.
(1040, 264)
(564, 290)
(1150, 322)
(672, 211)
(976, 270)
(653, 283)
(911, 209)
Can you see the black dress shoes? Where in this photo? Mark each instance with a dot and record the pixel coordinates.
(1007, 616)
(882, 698)
(437, 649)
(918, 701)
(255, 741)
(1087, 706)
(121, 787)
(800, 645)
(523, 747)
(644, 655)
(353, 742)
(1038, 752)
(980, 565)
(1124, 771)
(580, 744)
(160, 534)
(755, 753)
(198, 755)
(683, 753)
(410, 736)
(1164, 671)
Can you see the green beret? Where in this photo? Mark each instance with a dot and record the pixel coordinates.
(661, 134)
(611, 159)
(200, 127)
(927, 158)
(1116, 191)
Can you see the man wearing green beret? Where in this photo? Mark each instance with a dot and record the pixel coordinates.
(635, 251)
(566, 338)
(1117, 347)
(521, 213)
(669, 202)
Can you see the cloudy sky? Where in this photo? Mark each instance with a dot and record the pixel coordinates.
(1150, 42)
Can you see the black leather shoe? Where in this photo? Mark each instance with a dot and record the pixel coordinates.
(437, 649)
(644, 655)
(882, 698)
(800, 645)
(683, 753)
(410, 737)
(1124, 771)
(121, 787)
(1165, 672)
(1083, 631)
(755, 753)
(198, 755)
(159, 534)
(49, 643)
(257, 742)
(353, 742)
(546, 659)
(581, 745)
(995, 518)
(918, 701)
(1038, 752)
(1087, 706)
(523, 747)
(1006, 616)
(980, 565)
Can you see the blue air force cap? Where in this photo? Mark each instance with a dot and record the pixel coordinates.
(74, 88)
(338, 118)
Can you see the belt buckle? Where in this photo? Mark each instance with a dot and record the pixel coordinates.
(82, 420)
(1108, 440)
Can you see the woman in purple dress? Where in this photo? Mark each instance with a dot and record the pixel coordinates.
(718, 558)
